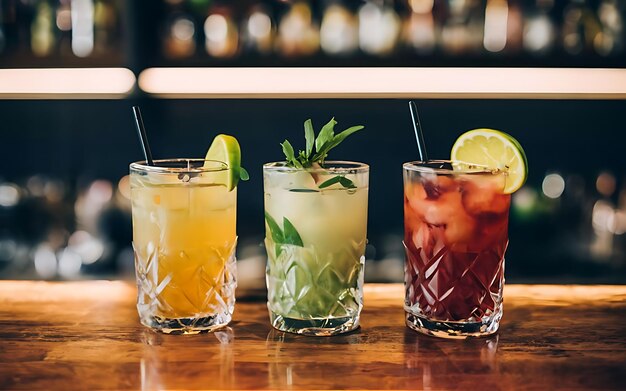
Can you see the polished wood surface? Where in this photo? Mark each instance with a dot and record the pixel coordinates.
(85, 335)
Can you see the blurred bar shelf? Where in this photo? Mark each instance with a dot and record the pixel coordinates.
(66, 83)
(385, 82)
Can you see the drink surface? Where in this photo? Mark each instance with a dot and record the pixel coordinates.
(322, 276)
(184, 238)
(456, 234)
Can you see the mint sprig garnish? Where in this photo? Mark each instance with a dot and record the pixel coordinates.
(317, 149)
(287, 235)
(323, 143)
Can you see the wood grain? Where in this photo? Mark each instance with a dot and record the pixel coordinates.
(85, 335)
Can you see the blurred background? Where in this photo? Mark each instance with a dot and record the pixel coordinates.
(64, 195)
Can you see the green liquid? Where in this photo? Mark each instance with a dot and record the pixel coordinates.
(308, 282)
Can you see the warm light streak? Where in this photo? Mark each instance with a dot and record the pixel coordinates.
(570, 83)
(64, 82)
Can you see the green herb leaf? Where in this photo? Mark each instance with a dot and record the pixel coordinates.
(342, 180)
(322, 153)
(289, 154)
(275, 232)
(309, 136)
(243, 174)
(347, 183)
(326, 134)
(336, 140)
(342, 136)
(288, 151)
(330, 182)
(291, 235)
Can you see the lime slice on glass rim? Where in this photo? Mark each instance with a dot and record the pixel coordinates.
(225, 148)
(496, 150)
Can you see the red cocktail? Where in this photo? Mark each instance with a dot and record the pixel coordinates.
(456, 234)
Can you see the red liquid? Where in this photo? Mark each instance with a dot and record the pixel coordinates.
(456, 234)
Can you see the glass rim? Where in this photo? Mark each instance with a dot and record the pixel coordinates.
(336, 166)
(425, 166)
(143, 166)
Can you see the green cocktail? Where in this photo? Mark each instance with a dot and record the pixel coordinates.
(316, 224)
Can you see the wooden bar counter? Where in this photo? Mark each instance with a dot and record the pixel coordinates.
(85, 335)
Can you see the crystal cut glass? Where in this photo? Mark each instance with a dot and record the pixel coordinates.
(456, 235)
(315, 241)
(184, 240)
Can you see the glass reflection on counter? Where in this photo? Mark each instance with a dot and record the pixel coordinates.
(439, 363)
(162, 365)
(287, 369)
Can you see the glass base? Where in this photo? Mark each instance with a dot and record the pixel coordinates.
(187, 325)
(323, 327)
(453, 330)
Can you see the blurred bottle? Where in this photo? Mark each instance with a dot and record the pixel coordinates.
(496, 19)
(18, 19)
(515, 27)
(379, 28)
(180, 34)
(220, 33)
(539, 29)
(580, 27)
(64, 27)
(106, 26)
(463, 27)
(619, 225)
(602, 218)
(339, 32)
(503, 26)
(258, 30)
(82, 27)
(42, 39)
(610, 40)
(298, 34)
(2, 33)
(419, 27)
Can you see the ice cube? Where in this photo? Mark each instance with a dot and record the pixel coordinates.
(438, 185)
(460, 227)
(411, 218)
(484, 196)
(417, 198)
(443, 210)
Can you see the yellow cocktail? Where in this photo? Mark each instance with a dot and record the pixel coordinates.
(184, 238)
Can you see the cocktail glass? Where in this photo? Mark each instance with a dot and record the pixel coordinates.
(456, 234)
(315, 243)
(184, 240)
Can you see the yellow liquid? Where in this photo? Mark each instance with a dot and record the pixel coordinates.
(184, 237)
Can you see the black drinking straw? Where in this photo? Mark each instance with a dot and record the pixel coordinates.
(143, 137)
(419, 135)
